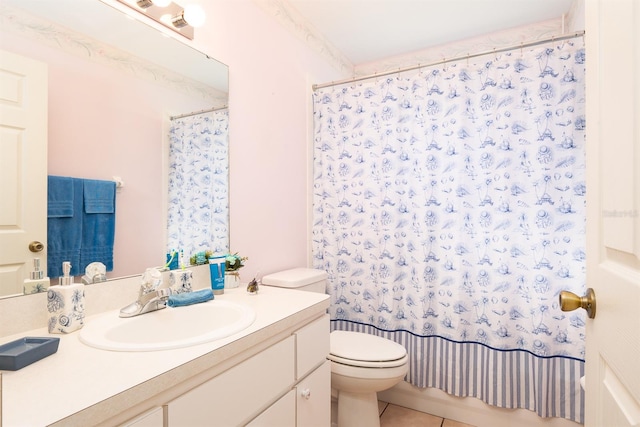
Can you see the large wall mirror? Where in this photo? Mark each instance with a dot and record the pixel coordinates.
(114, 83)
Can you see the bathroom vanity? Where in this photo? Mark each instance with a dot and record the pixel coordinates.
(274, 372)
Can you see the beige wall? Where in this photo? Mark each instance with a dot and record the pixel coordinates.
(271, 72)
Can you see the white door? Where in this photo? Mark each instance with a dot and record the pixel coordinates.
(613, 212)
(23, 168)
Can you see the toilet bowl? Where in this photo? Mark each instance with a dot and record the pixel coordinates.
(361, 364)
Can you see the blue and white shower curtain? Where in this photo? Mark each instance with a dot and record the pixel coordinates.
(198, 217)
(449, 213)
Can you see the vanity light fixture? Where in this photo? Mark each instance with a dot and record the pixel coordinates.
(191, 15)
(148, 3)
(180, 19)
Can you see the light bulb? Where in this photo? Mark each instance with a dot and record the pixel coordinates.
(166, 19)
(194, 15)
(161, 3)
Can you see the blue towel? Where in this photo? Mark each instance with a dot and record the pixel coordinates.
(59, 197)
(99, 196)
(188, 298)
(99, 223)
(64, 224)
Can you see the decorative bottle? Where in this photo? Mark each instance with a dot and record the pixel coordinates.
(65, 303)
(37, 282)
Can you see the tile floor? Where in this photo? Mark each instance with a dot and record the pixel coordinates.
(397, 416)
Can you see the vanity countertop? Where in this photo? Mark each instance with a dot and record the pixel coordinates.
(81, 385)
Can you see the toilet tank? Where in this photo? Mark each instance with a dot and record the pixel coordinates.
(304, 279)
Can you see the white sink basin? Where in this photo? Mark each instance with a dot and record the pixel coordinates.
(167, 328)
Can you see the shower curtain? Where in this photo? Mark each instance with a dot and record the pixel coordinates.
(449, 212)
(198, 217)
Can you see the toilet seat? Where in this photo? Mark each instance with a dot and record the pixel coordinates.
(365, 350)
(365, 364)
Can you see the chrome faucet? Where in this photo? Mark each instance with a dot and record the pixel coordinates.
(150, 298)
(147, 302)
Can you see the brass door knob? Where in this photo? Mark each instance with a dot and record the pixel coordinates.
(570, 301)
(36, 246)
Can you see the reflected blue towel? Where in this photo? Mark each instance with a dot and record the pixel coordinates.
(64, 224)
(188, 298)
(99, 196)
(59, 197)
(98, 223)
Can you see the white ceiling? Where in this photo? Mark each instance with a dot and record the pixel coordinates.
(371, 30)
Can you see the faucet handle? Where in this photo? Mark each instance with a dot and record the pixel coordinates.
(151, 280)
(164, 293)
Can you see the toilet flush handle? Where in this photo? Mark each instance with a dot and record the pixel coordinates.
(306, 393)
(570, 301)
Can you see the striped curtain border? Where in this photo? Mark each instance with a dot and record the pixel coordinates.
(512, 379)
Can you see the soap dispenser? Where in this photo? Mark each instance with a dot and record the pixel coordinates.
(37, 282)
(65, 303)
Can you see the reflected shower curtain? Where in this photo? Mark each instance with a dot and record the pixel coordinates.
(449, 212)
(198, 217)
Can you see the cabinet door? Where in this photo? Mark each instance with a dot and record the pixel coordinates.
(153, 418)
(280, 414)
(238, 394)
(312, 346)
(313, 402)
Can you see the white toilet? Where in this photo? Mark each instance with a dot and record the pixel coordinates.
(361, 364)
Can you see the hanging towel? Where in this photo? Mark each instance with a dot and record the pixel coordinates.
(59, 197)
(99, 223)
(64, 224)
(99, 196)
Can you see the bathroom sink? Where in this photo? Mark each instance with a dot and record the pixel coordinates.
(167, 328)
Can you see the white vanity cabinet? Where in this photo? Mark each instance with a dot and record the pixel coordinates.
(281, 414)
(307, 405)
(235, 396)
(313, 403)
(269, 374)
(313, 373)
(153, 418)
(287, 384)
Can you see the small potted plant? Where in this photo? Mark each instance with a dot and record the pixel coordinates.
(233, 264)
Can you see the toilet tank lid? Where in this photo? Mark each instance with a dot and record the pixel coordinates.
(294, 278)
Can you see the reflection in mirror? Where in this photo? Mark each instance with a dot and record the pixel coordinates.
(113, 84)
(198, 185)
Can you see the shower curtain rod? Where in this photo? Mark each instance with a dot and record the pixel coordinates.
(446, 60)
(195, 113)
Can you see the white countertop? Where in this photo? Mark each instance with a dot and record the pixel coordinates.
(92, 385)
